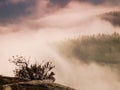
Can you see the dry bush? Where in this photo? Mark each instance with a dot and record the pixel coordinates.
(35, 71)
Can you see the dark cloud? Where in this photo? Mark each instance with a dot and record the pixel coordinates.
(96, 2)
(60, 2)
(99, 2)
(93, 1)
(1, 1)
(10, 11)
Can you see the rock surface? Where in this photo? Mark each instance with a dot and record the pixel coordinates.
(34, 85)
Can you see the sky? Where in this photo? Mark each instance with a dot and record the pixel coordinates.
(29, 27)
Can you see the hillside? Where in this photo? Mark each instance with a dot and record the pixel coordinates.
(101, 49)
(30, 85)
(112, 17)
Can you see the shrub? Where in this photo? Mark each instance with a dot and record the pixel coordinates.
(35, 71)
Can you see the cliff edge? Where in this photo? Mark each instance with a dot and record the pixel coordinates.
(33, 85)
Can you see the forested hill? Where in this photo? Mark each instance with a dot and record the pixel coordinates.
(102, 49)
(113, 17)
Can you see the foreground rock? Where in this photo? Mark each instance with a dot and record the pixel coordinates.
(34, 85)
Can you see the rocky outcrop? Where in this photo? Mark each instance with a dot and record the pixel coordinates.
(34, 85)
(8, 80)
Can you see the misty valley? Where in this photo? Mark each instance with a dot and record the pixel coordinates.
(59, 45)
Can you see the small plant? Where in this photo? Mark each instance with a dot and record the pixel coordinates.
(35, 71)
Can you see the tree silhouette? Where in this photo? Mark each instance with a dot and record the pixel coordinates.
(35, 71)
